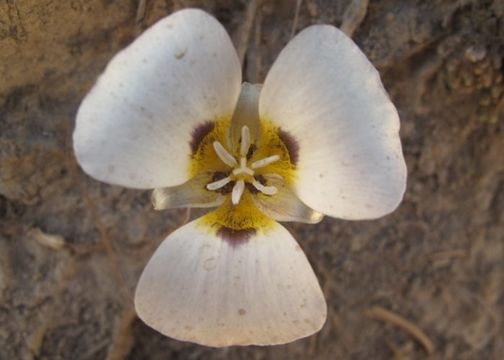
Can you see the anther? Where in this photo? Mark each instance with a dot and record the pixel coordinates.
(224, 155)
(237, 192)
(245, 141)
(267, 190)
(273, 176)
(264, 162)
(218, 184)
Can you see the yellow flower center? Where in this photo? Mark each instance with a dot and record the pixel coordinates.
(241, 171)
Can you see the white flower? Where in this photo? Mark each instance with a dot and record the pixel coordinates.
(170, 113)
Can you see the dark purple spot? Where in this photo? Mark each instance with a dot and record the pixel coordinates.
(199, 133)
(251, 151)
(226, 189)
(261, 179)
(291, 144)
(251, 188)
(235, 237)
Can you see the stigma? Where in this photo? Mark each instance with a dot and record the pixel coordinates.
(242, 172)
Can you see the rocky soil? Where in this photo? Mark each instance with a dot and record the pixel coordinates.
(71, 248)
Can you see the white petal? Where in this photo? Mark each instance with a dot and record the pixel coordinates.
(325, 94)
(136, 125)
(202, 288)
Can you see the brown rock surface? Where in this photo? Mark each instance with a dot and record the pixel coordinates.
(71, 248)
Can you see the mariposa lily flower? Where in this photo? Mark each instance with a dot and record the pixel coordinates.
(170, 113)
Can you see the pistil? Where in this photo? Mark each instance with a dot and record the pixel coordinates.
(243, 169)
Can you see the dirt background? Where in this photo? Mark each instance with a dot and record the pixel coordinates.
(71, 248)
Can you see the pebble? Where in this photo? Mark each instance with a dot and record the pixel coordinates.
(475, 53)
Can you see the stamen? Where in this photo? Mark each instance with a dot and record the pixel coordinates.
(216, 185)
(268, 190)
(237, 192)
(224, 155)
(273, 176)
(264, 162)
(243, 169)
(245, 141)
